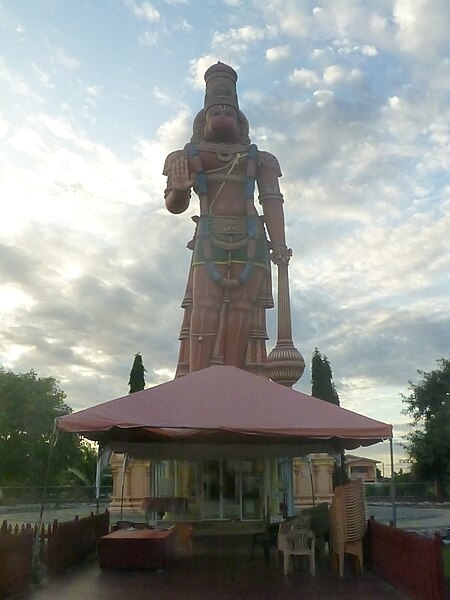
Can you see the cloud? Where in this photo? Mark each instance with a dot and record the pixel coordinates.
(238, 40)
(415, 20)
(143, 10)
(334, 74)
(59, 56)
(109, 289)
(149, 38)
(289, 16)
(197, 68)
(162, 96)
(182, 25)
(14, 82)
(43, 77)
(4, 127)
(304, 77)
(368, 50)
(10, 21)
(277, 53)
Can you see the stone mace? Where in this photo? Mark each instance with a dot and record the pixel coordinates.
(285, 363)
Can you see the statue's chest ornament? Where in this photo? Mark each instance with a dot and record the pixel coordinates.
(228, 227)
(224, 157)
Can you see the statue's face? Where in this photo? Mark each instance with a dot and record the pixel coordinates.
(221, 124)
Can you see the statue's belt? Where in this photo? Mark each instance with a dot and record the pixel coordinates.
(230, 233)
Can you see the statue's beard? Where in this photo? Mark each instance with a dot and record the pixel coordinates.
(222, 128)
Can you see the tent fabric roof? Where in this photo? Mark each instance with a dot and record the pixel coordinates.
(223, 405)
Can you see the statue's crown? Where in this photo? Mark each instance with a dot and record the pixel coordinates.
(221, 86)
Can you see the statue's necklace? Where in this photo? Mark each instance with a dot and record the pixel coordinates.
(224, 157)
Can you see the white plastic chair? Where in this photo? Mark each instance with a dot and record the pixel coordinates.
(300, 542)
(302, 521)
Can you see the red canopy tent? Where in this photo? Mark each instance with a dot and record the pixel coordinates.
(223, 411)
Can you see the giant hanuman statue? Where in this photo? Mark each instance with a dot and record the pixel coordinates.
(229, 284)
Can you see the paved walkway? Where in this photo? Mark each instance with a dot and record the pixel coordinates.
(221, 569)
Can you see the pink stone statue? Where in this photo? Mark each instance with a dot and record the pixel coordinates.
(229, 284)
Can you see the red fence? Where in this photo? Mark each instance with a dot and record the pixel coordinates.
(59, 546)
(16, 553)
(69, 543)
(407, 560)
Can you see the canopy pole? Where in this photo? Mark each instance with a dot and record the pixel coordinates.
(311, 478)
(47, 473)
(98, 479)
(38, 569)
(103, 456)
(393, 501)
(124, 466)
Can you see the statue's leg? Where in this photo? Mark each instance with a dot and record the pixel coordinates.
(240, 316)
(207, 299)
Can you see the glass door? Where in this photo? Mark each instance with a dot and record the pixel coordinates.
(231, 489)
(253, 489)
(211, 490)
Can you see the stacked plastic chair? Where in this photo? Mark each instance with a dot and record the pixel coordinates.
(320, 525)
(348, 516)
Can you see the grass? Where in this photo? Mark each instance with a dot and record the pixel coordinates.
(447, 561)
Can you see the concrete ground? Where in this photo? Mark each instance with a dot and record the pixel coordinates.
(220, 569)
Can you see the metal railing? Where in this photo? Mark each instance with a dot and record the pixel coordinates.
(415, 491)
(62, 494)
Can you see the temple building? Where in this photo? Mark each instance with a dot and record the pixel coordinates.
(224, 489)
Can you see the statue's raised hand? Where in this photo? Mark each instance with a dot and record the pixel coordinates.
(180, 178)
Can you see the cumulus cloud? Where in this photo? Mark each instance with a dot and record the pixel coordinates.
(333, 74)
(290, 17)
(415, 21)
(277, 53)
(238, 40)
(92, 273)
(304, 77)
(143, 10)
(197, 68)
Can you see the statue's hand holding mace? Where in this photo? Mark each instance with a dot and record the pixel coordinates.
(280, 254)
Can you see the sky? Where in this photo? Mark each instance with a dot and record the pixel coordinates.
(353, 99)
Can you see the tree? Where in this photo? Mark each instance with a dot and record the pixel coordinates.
(28, 407)
(428, 444)
(322, 385)
(137, 377)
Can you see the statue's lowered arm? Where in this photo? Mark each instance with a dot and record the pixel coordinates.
(285, 363)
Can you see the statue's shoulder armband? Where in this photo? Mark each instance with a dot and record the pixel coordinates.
(269, 161)
(170, 160)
